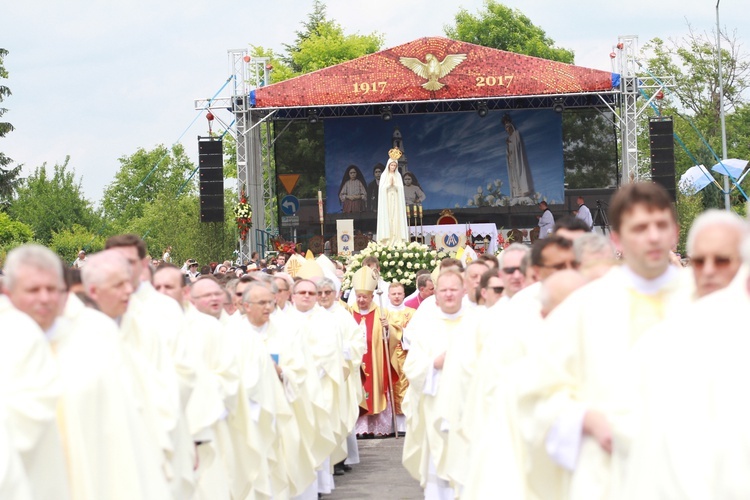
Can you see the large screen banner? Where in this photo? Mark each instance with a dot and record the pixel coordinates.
(450, 160)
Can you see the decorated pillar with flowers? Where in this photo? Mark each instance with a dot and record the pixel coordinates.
(243, 215)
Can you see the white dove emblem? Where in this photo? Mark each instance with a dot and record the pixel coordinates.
(433, 69)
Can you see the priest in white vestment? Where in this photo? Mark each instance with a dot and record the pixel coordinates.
(13, 481)
(206, 354)
(152, 328)
(690, 437)
(30, 384)
(353, 348)
(106, 439)
(491, 421)
(571, 401)
(303, 387)
(326, 346)
(439, 366)
(264, 429)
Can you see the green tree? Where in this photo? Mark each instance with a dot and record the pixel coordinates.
(167, 221)
(50, 203)
(142, 177)
(694, 103)
(310, 27)
(69, 241)
(329, 46)
(689, 206)
(589, 149)
(503, 28)
(322, 42)
(9, 177)
(14, 231)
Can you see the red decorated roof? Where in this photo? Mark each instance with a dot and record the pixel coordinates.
(432, 69)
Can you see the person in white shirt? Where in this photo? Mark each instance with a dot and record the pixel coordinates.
(80, 261)
(546, 220)
(583, 212)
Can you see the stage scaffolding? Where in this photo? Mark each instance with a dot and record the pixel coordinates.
(255, 135)
(252, 132)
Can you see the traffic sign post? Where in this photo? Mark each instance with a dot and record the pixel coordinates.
(289, 205)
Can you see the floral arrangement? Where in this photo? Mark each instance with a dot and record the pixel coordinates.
(398, 263)
(243, 214)
(288, 247)
(491, 196)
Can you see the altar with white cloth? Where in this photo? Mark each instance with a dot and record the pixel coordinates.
(454, 235)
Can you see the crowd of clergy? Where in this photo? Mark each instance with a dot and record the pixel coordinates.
(585, 366)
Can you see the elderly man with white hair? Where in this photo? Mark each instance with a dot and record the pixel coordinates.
(96, 405)
(153, 326)
(282, 431)
(595, 255)
(353, 349)
(107, 281)
(691, 439)
(713, 245)
(29, 380)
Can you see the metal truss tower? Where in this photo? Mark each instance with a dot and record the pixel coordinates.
(632, 87)
(252, 132)
(627, 53)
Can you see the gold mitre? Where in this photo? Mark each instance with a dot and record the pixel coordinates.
(394, 154)
(294, 264)
(309, 270)
(365, 280)
(309, 255)
(326, 263)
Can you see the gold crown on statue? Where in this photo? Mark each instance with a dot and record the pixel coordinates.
(395, 154)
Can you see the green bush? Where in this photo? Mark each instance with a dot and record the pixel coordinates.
(68, 242)
(14, 231)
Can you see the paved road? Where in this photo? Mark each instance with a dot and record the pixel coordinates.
(378, 475)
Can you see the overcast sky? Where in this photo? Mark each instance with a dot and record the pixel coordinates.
(97, 80)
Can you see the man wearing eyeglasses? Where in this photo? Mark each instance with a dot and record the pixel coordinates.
(490, 287)
(713, 245)
(548, 256)
(289, 341)
(353, 349)
(588, 339)
(514, 262)
(693, 435)
(284, 285)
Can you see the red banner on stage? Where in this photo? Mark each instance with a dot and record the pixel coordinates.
(432, 69)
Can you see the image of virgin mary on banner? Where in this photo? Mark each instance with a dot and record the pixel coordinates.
(462, 160)
(519, 172)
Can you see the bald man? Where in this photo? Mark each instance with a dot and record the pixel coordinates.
(209, 356)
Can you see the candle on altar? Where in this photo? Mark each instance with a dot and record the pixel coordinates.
(320, 206)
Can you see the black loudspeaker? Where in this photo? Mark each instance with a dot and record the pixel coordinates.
(211, 177)
(661, 137)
